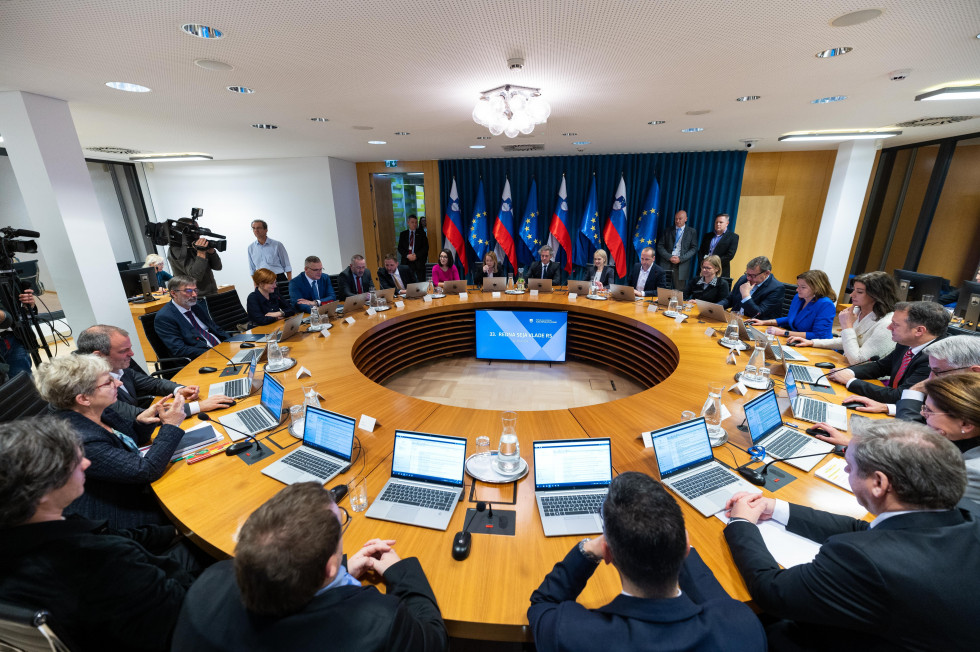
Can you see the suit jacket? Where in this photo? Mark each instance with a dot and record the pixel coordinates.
(607, 277)
(553, 272)
(725, 249)
(689, 247)
(909, 583)
(917, 370)
(478, 275)
(655, 279)
(137, 383)
(347, 286)
(117, 485)
(106, 590)
(300, 288)
(765, 303)
(387, 281)
(179, 336)
(703, 617)
(815, 319)
(257, 306)
(710, 293)
(356, 618)
(184, 261)
(421, 249)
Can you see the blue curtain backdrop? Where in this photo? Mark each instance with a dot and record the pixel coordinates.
(702, 183)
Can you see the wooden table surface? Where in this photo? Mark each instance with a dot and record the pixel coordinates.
(486, 595)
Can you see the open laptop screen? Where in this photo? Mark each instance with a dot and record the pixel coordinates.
(572, 463)
(791, 390)
(272, 393)
(681, 446)
(328, 432)
(762, 414)
(428, 458)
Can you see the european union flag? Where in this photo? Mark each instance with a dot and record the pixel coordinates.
(588, 234)
(479, 239)
(614, 233)
(528, 243)
(645, 234)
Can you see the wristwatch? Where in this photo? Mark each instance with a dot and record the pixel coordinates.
(595, 559)
(785, 333)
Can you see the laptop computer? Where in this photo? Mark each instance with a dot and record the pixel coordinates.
(264, 416)
(776, 351)
(416, 290)
(247, 356)
(355, 302)
(689, 468)
(239, 387)
(494, 284)
(388, 295)
(664, 295)
(809, 375)
(579, 287)
(454, 287)
(712, 311)
(811, 409)
(621, 292)
(426, 480)
(571, 480)
(768, 430)
(542, 285)
(328, 442)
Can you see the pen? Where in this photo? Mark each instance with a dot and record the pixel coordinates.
(791, 425)
(204, 457)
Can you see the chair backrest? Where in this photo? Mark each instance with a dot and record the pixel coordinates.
(19, 398)
(27, 629)
(226, 310)
(789, 292)
(335, 282)
(428, 272)
(669, 279)
(282, 287)
(727, 281)
(165, 360)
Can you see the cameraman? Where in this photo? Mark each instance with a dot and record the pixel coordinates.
(197, 261)
(12, 351)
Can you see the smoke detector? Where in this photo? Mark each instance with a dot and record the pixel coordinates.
(517, 63)
(899, 75)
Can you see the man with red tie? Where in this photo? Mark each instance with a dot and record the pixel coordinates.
(355, 279)
(915, 325)
(184, 325)
(413, 245)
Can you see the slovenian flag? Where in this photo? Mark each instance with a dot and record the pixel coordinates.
(503, 229)
(646, 227)
(559, 237)
(588, 235)
(452, 229)
(479, 240)
(615, 230)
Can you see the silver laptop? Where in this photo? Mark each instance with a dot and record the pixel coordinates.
(355, 302)
(689, 468)
(768, 430)
(571, 480)
(494, 283)
(247, 356)
(579, 287)
(454, 287)
(542, 285)
(264, 416)
(811, 409)
(328, 441)
(664, 295)
(237, 388)
(426, 480)
(776, 351)
(388, 295)
(622, 292)
(416, 290)
(711, 311)
(809, 375)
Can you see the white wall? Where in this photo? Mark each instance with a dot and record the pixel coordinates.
(311, 206)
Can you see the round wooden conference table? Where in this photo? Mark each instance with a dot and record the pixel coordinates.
(486, 596)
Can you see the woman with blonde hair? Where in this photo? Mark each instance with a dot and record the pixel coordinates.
(709, 286)
(601, 274)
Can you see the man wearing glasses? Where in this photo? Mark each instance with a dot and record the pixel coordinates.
(310, 288)
(757, 294)
(184, 325)
(308, 599)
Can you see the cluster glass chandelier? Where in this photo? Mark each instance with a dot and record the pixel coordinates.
(511, 110)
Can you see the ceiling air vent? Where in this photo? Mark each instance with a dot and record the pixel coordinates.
(935, 122)
(528, 147)
(122, 151)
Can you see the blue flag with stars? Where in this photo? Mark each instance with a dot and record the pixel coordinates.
(588, 235)
(529, 243)
(479, 237)
(645, 233)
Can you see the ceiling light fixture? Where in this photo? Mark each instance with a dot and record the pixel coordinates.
(180, 156)
(838, 135)
(747, 98)
(377, 142)
(833, 52)
(511, 110)
(951, 93)
(828, 100)
(570, 133)
(320, 119)
(211, 64)
(855, 18)
(583, 142)
(402, 133)
(201, 31)
(657, 122)
(478, 146)
(484, 137)
(241, 89)
(692, 130)
(260, 125)
(129, 88)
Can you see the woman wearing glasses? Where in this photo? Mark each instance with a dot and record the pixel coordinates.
(709, 286)
(117, 486)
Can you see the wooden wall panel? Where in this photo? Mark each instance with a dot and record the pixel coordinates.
(756, 215)
(925, 159)
(951, 249)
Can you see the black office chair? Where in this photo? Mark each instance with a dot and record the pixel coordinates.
(166, 366)
(335, 282)
(19, 398)
(226, 310)
(27, 629)
(669, 279)
(428, 272)
(789, 291)
(282, 287)
(727, 281)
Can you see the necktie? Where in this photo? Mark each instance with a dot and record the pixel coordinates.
(398, 281)
(411, 240)
(208, 337)
(316, 290)
(544, 268)
(357, 280)
(906, 359)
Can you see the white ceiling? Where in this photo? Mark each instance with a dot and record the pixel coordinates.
(606, 66)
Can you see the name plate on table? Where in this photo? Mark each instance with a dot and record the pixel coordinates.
(572, 296)
(496, 295)
(534, 293)
(399, 304)
(371, 312)
(463, 296)
(349, 320)
(427, 298)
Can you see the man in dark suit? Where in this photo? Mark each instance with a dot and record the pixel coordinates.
(263, 599)
(413, 245)
(393, 275)
(310, 288)
(908, 580)
(914, 326)
(355, 280)
(721, 242)
(757, 293)
(646, 275)
(670, 599)
(113, 344)
(677, 247)
(544, 268)
(185, 327)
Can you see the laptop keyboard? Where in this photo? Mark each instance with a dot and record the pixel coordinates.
(787, 445)
(807, 375)
(252, 419)
(312, 464)
(237, 388)
(421, 496)
(572, 504)
(811, 410)
(704, 482)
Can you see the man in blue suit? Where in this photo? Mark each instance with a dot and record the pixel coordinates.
(670, 599)
(310, 288)
(184, 325)
(757, 293)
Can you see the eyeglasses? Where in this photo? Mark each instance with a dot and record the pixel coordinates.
(314, 269)
(750, 275)
(188, 290)
(926, 412)
(108, 383)
(940, 372)
(344, 519)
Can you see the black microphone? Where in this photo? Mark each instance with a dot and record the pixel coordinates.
(234, 365)
(21, 233)
(463, 539)
(238, 447)
(873, 358)
(758, 476)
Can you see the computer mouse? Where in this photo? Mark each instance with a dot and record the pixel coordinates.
(852, 405)
(206, 370)
(247, 345)
(461, 545)
(240, 447)
(825, 365)
(816, 431)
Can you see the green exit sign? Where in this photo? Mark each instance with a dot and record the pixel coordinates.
(391, 164)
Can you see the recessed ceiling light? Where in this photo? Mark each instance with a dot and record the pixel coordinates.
(700, 112)
(402, 133)
(833, 52)
(828, 100)
(415, 174)
(747, 98)
(477, 146)
(657, 122)
(484, 137)
(241, 89)
(320, 119)
(583, 142)
(692, 130)
(856, 17)
(211, 64)
(129, 88)
(377, 142)
(362, 128)
(186, 156)
(951, 93)
(569, 133)
(265, 126)
(838, 135)
(202, 31)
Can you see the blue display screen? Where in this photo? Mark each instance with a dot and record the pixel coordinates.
(521, 335)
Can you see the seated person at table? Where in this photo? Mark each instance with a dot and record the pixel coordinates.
(709, 286)
(757, 293)
(114, 346)
(914, 327)
(156, 262)
(864, 326)
(265, 305)
(81, 389)
(907, 580)
(544, 268)
(105, 589)
(307, 600)
(354, 280)
(395, 276)
(184, 325)
(489, 269)
(646, 276)
(445, 270)
(310, 288)
(670, 599)
(600, 273)
(812, 312)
